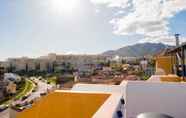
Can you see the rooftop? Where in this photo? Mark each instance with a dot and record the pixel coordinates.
(66, 105)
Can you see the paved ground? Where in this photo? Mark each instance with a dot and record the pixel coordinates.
(5, 114)
(42, 87)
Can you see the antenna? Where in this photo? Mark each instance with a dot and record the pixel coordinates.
(177, 39)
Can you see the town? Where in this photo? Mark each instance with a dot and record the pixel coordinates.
(25, 79)
(92, 59)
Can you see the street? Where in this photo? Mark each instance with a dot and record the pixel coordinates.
(5, 114)
(42, 87)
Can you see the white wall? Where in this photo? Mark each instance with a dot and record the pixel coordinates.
(112, 104)
(110, 107)
(168, 98)
(100, 88)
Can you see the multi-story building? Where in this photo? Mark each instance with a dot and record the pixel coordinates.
(2, 83)
(18, 64)
(45, 63)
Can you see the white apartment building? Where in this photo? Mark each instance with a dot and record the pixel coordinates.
(79, 62)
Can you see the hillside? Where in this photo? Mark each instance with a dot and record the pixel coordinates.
(137, 50)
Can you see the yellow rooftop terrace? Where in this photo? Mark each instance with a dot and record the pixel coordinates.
(65, 105)
(172, 63)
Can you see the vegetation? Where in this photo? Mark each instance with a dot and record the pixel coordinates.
(116, 67)
(52, 80)
(142, 75)
(5, 100)
(8, 97)
(145, 77)
(65, 78)
(25, 89)
(51, 70)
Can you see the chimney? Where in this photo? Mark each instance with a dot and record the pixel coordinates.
(177, 39)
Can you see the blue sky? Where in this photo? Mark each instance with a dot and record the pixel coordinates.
(37, 27)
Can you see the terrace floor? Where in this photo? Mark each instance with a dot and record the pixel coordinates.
(65, 105)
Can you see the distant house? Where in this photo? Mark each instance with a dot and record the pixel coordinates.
(11, 88)
(86, 69)
(9, 80)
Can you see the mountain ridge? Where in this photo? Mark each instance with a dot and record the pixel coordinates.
(137, 50)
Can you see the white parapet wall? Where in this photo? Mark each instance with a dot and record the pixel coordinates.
(167, 98)
(113, 104)
(110, 107)
(100, 88)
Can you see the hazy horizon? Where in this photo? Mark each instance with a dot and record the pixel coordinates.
(35, 28)
(70, 53)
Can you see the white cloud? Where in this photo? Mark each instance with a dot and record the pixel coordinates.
(97, 10)
(146, 17)
(163, 39)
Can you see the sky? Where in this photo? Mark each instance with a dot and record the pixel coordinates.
(38, 27)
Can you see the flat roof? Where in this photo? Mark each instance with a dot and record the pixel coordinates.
(66, 105)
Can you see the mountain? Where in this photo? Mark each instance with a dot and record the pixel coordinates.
(138, 50)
